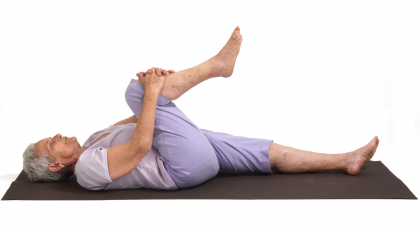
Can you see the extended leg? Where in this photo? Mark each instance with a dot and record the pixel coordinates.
(222, 64)
(290, 160)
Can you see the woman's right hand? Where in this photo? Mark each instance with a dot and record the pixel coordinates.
(151, 82)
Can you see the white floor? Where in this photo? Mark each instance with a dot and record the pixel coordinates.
(325, 76)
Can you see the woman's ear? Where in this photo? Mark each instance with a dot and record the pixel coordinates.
(55, 167)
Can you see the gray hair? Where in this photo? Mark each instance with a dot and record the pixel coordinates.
(37, 167)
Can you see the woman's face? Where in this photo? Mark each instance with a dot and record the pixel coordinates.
(59, 147)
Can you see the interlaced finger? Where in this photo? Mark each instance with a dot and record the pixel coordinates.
(158, 71)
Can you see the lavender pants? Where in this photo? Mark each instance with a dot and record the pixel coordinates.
(192, 155)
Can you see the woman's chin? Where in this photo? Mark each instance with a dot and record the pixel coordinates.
(72, 140)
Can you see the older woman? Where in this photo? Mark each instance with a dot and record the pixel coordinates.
(160, 148)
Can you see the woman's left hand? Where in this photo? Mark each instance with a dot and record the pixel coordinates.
(164, 72)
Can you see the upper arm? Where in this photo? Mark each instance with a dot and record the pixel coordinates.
(123, 159)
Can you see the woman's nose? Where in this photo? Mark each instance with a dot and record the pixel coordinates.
(59, 136)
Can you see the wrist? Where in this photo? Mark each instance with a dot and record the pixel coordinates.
(152, 93)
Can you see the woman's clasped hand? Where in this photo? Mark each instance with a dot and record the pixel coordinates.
(153, 79)
(159, 71)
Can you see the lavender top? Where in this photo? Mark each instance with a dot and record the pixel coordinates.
(92, 166)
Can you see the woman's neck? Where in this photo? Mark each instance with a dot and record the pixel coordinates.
(75, 158)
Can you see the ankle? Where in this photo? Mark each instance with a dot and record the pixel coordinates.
(216, 66)
(344, 161)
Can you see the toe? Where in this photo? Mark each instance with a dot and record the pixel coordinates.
(373, 140)
(238, 38)
(235, 33)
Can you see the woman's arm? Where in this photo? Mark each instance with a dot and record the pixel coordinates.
(123, 158)
(132, 119)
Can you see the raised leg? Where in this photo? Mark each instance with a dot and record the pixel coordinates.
(290, 160)
(180, 82)
(222, 64)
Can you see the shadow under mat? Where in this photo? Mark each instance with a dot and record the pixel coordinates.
(375, 181)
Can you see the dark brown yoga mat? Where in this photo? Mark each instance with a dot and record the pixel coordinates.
(375, 181)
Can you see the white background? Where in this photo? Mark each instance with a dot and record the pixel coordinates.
(324, 76)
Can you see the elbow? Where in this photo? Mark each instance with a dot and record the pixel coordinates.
(144, 148)
(148, 145)
(139, 147)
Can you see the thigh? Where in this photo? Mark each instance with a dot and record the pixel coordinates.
(188, 156)
(237, 153)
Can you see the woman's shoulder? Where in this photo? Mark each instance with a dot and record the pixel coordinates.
(97, 134)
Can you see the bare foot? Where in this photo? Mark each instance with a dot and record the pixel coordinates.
(226, 58)
(358, 158)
